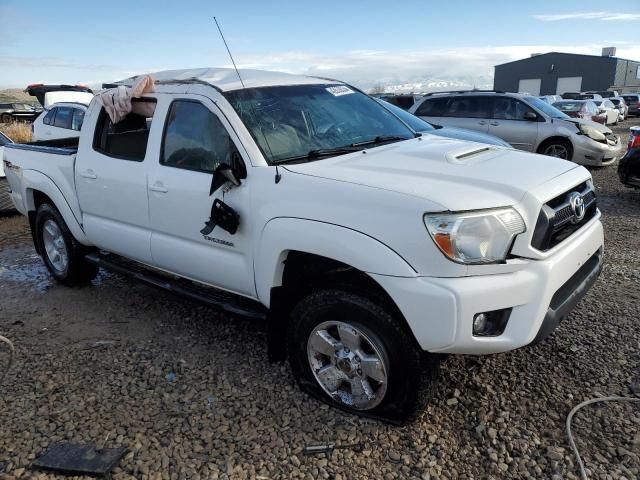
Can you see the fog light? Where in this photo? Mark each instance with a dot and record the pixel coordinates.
(490, 324)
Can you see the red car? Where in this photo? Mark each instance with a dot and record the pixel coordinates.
(584, 109)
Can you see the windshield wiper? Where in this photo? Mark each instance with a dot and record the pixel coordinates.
(319, 153)
(381, 139)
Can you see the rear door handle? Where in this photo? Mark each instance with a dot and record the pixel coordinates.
(482, 122)
(495, 124)
(158, 187)
(88, 174)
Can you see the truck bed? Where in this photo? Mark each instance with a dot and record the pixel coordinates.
(62, 146)
(35, 165)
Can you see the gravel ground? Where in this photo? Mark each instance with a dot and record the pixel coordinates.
(191, 394)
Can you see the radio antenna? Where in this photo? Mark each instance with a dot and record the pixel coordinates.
(229, 52)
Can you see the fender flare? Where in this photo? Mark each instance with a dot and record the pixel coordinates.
(351, 247)
(33, 180)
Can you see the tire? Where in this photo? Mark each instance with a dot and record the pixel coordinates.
(558, 146)
(5, 118)
(61, 253)
(347, 340)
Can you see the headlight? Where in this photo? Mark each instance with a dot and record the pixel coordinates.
(591, 132)
(483, 236)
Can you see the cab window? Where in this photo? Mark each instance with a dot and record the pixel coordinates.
(63, 118)
(48, 118)
(194, 138)
(127, 139)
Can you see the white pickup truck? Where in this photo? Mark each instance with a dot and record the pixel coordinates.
(368, 248)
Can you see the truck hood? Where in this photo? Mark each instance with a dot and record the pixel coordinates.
(455, 175)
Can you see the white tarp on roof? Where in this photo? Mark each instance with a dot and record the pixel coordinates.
(117, 101)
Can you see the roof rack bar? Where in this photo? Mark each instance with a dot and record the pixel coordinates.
(474, 90)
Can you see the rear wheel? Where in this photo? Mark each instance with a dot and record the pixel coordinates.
(62, 254)
(5, 118)
(350, 352)
(557, 148)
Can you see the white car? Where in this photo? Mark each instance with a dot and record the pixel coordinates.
(609, 111)
(300, 200)
(61, 120)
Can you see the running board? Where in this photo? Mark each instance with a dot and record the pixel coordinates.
(219, 299)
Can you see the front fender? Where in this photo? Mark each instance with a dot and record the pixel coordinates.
(351, 247)
(33, 180)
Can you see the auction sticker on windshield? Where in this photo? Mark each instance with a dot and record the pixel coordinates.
(339, 90)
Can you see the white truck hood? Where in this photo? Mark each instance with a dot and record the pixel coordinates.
(457, 175)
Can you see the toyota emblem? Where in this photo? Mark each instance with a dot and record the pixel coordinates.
(577, 207)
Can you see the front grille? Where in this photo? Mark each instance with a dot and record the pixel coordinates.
(556, 221)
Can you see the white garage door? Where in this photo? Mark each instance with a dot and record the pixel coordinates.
(569, 84)
(530, 85)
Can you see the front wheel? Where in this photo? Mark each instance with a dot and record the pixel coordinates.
(350, 352)
(557, 148)
(62, 254)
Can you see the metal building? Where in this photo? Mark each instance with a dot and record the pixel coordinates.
(555, 73)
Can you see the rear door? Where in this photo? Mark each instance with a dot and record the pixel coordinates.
(111, 180)
(509, 123)
(468, 111)
(195, 140)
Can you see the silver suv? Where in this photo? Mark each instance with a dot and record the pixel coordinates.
(524, 121)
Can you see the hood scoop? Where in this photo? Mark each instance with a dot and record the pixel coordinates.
(467, 154)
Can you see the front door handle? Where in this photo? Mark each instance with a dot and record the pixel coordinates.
(495, 124)
(482, 122)
(88, 174)
(158, 187)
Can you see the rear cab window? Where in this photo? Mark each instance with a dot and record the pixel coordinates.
(127, 139)
(63, 118)
(48, 118)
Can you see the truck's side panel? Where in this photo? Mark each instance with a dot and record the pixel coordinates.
(58, 183)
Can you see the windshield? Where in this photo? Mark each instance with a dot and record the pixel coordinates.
(547, 109)
(417, 124)
(291, 121)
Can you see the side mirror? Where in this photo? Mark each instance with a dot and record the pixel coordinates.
(222, 174)
(532, 117)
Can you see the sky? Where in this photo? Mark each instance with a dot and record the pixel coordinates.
(366, 43)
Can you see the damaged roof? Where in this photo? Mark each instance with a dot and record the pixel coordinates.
(226, 79)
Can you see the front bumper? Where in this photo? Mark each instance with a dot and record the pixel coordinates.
(440, 311)
(595, 154)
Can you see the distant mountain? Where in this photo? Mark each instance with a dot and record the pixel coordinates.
(431, 85)
(15, 95)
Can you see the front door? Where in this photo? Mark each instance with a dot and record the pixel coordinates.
(196, 139)
(509, 122)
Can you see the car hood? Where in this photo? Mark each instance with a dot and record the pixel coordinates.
(469, 135)
(576, 121)
(450, 174)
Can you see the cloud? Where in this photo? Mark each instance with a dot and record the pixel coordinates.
(459, 67)
(606, 16)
